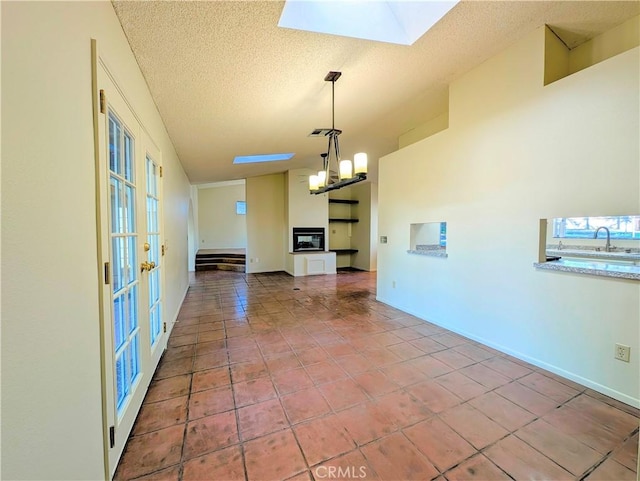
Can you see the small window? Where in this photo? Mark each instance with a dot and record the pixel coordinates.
(241, 207)
(428, 236)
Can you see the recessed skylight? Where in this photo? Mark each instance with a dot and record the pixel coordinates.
(400, 22)
(252, 159)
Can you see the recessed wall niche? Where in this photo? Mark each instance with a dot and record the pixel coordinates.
(428, 238)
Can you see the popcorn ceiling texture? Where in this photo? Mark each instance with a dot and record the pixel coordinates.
(228, 81)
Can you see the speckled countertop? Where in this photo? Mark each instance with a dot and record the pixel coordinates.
(429, 250)
(593, 268)
(621, 262)
(623, 254)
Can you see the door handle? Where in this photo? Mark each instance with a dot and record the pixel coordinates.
(147, 266)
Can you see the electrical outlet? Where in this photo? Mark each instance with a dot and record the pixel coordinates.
(393, 284)
(623, 353)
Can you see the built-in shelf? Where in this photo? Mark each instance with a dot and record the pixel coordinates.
(342, 220)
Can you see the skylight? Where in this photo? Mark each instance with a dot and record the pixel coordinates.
(252, 159)
(400, 22)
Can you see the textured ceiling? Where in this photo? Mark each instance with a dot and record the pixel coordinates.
(228, 81)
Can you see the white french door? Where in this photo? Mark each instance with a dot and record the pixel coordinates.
(131, 252)
(155, 254)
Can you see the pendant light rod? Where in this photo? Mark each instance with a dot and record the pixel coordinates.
(333, 105)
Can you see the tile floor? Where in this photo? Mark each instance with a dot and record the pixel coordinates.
(268, 377)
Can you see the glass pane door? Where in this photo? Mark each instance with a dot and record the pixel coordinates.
(125, 276)
(154, 252)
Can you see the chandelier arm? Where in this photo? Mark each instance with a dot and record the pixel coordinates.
(327, 162)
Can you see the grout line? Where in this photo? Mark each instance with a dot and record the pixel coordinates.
(269, 322)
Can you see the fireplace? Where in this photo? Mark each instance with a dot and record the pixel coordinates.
(308, 239)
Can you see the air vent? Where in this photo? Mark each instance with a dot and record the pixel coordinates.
(319, 132)
(323, 132)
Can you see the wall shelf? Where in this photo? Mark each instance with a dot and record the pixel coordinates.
(343, 219)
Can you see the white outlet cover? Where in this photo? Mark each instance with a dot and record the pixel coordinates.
(622, 352)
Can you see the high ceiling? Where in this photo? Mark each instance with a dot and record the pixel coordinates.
(228, 81)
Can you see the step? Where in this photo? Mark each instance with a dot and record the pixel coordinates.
(220, 259)
(220, 267)
(221, 254)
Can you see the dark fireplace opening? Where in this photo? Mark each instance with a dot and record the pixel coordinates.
(308, 239)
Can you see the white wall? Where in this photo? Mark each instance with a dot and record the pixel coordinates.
(266, 223)
(51, 389)
(516, 152)
(219, 226)
(192, 228)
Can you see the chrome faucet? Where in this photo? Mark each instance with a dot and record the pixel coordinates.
(607, 246)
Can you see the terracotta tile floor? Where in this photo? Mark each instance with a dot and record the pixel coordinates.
(268, 377)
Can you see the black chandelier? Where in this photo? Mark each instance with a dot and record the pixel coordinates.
(347, 172)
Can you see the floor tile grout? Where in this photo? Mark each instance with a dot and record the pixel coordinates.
(267, 322)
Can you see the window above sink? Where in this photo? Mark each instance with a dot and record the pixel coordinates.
(619, 227)
(600, 245)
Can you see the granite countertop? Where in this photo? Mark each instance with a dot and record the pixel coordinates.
(429, 250)
(590, 252)
(593, 268)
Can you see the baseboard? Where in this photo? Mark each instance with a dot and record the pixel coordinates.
(622, 397)
(177, 313)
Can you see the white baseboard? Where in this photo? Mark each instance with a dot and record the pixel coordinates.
(174, 319)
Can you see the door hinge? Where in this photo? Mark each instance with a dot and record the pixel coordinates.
(162, 249)
(112, 436)
(103, 102)
(160, 171)
(164, 326)
(107, 273)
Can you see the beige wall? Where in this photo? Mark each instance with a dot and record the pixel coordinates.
(51, 389)
(303, 208)
(266, 223)
(617, 40)
(219, 226)
(425, 130)
(516, 152)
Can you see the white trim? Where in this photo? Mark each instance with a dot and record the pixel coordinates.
(625, 398)
(116, 84)
(177, 313)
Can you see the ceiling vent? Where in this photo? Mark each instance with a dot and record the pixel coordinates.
(321, 132)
